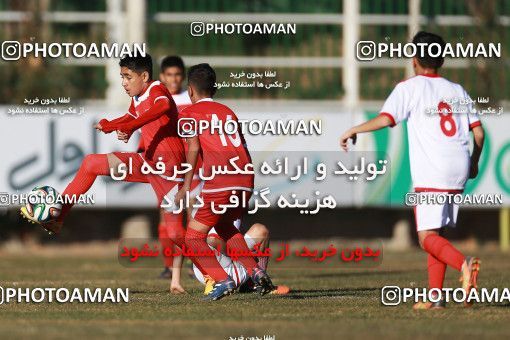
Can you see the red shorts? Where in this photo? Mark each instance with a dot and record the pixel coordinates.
(213, 218)
(160, 184)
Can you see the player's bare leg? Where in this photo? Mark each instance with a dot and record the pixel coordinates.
(165, 242)
(260, 234)
(175, 283)
(174, 230)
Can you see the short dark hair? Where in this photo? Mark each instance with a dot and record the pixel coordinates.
(426, 60)
(138, 64)
(203, 79)
(172, 61)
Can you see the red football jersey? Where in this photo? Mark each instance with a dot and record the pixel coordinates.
(199, 159)
(160, 137)
(219, 149)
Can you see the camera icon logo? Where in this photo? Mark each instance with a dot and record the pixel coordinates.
(365, 50)
(197, 29)
(4, 199)
(187, 127)
(391, 296)
(411, 199)
(11, 50)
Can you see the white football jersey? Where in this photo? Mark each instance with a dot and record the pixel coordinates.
(439, 116)
(182, 100)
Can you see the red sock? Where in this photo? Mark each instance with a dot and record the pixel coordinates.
(436, 270)
(237, 242)
(93, 165)
(196, 241)
(165, 242)
(443, 250)
(174, 228)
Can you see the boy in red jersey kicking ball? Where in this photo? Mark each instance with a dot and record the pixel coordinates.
(216, 150)
(439, 155)
(154, 112)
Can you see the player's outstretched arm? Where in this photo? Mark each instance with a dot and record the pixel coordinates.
(108, 126)
(373, 124)
(155, 112)
(478, 137)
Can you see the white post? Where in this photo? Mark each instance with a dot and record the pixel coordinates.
(413, 26)
(136, 21)
(115, 29)
(350, 70)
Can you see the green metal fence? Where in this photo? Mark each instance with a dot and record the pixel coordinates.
(311, 40)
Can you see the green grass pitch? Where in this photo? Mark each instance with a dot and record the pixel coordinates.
(332, 303)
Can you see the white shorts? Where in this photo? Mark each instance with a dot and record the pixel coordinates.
(234, 269)
(435, 216)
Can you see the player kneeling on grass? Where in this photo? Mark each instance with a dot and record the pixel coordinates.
(257, 235)
(439, 156)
